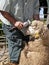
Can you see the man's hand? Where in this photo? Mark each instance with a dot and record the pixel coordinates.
(36, 17)
(18, 24)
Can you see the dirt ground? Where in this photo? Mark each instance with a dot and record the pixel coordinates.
(4, 54)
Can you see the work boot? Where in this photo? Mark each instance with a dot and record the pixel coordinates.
(11, 64)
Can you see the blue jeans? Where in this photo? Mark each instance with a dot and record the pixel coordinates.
(15, 43)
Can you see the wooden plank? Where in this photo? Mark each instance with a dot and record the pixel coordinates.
(1, 29)
(2, 37)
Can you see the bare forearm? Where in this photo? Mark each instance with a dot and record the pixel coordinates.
(8, 17)
(11, 19)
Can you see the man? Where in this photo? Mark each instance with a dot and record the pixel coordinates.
(14, 13)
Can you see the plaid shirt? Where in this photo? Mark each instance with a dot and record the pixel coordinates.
(20, 9)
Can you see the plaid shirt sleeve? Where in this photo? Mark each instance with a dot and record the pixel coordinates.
(36, 7)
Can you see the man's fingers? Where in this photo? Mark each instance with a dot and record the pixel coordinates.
(20, 26)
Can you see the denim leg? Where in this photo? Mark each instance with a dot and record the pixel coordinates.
(14, 50)
(14, 43)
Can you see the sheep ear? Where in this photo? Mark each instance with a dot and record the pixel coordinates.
(48, 26)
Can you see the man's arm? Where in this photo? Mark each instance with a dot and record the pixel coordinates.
(12, 20)
(36, 17)
(8, 17)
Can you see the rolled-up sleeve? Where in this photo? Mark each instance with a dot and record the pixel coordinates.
(5, 5)
(36, 7)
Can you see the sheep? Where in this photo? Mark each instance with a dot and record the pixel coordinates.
(37, 51)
